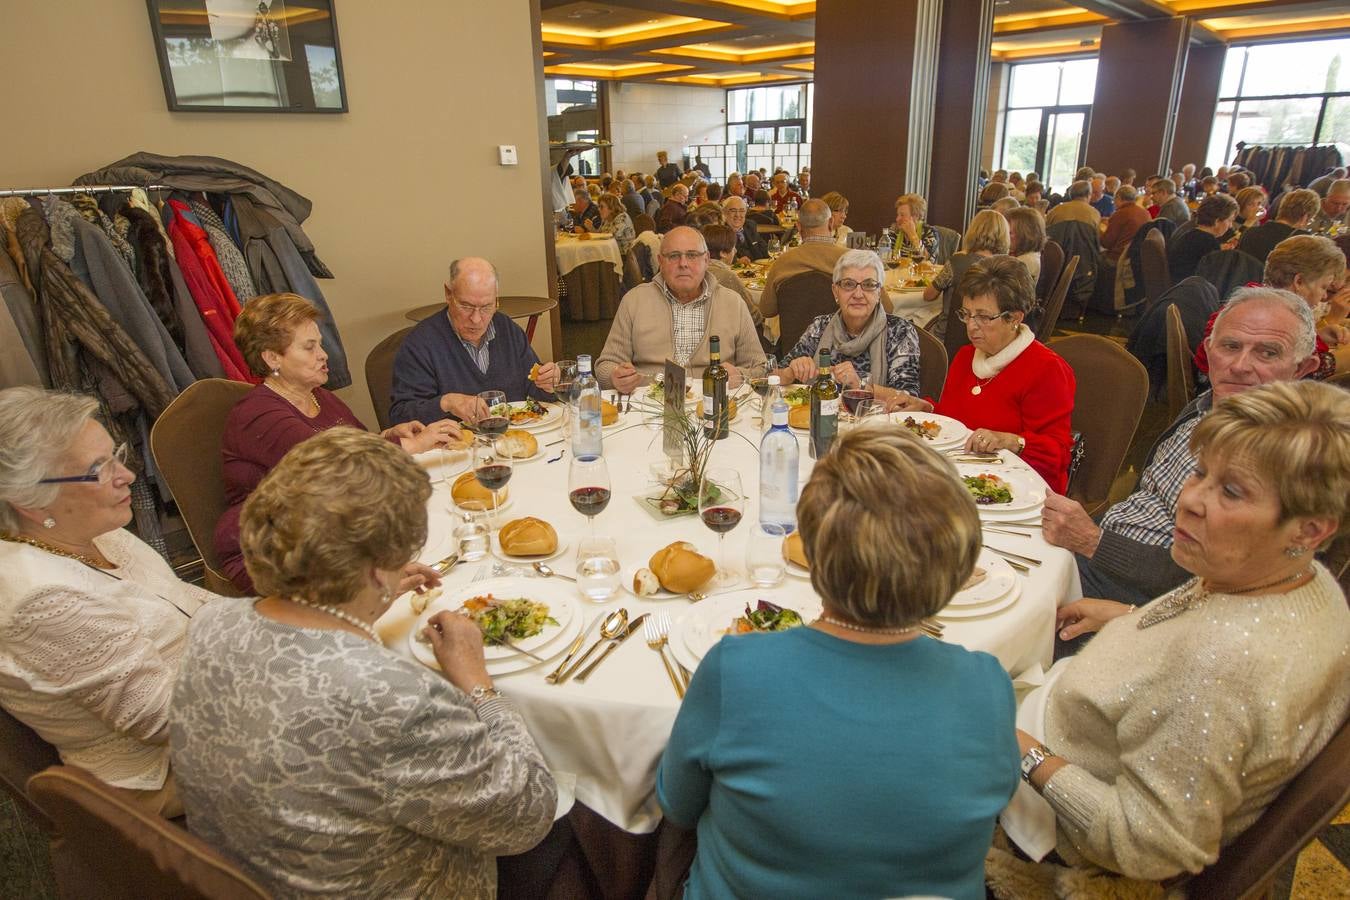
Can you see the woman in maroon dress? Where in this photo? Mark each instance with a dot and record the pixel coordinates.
(279, 338)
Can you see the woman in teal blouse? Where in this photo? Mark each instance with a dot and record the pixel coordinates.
(852, 757)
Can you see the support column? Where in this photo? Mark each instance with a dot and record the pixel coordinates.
(1199, 100)
(962, 97)
(870, 89)
(1139, 70)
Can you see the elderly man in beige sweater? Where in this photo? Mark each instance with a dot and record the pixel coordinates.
(817, 253)
(672, 317)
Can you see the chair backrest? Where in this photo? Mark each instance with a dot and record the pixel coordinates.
(643, 255)
(1247, 866)
(632, 273)
(1229, 270)
(22, 755)
(801, 298)
(932, 364)
(1054, 305)
(185, 441)
(1052, 263)
(1111, 388)
(949, 241)
(1180, 368)
(1153, 261)
(133, 853)
(380, 373)
(1082, 240)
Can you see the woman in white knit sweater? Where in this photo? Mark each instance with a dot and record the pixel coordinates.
(1182, 720)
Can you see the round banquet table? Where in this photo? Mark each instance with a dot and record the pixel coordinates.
(604, 737)
(592, 270)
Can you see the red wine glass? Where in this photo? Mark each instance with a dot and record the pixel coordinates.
(721, 504)
(588, 487)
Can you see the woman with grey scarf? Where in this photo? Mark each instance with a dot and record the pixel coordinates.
(867, 346)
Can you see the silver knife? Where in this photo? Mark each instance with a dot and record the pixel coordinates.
(632, 626)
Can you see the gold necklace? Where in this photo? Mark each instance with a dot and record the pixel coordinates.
(289, 397)
(43, 545)
(1196, 595)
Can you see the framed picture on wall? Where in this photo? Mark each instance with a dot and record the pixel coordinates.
(249, 55)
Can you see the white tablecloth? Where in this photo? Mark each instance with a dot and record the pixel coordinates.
(573, 252)
(609, 732)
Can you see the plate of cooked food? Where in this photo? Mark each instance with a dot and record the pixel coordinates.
(469, 495)
(673, 571)
(513, 614)
(528, 414)
(1012, 490)
(739, 615)
(654, 394)
(527, 540)
(939, 432)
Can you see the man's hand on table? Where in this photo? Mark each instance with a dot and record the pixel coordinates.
(465, 407)
(625, 378)
(1064, 523)
(546, 379)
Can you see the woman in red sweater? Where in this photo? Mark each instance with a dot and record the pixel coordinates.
(1013, 391)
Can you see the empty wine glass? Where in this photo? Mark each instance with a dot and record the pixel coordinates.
(497, 419)
(869, 411)
(721, 504)
(567, 373)
(757, 376)
(492, 467)
(588, 487)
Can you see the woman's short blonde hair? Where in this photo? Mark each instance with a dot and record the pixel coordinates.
(918, 207)
(836, 201)
(1026, 230)
(336, 505)
(270, 323)
(1298, 205)
(987, 231)
(1310, 255)
(611, 202)
(1247, 195)
(1295, 435)
(890, 531)
(37, 427)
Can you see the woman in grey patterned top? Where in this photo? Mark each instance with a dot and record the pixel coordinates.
(317, 759)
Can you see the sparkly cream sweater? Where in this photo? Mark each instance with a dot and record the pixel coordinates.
(1181, 734)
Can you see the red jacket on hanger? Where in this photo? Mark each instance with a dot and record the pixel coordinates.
(210, 290)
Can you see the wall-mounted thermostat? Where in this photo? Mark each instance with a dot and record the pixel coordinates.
(506, 153)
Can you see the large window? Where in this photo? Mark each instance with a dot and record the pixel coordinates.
(1045, 119)
(768, 126)
(1282, 94)
(574, 115)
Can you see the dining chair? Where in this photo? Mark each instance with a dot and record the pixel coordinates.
(1055, 304)
(131, 853)
(1153, 261)
(801, 298)
(1180, 365)
(185, 442)
(1110, 390)
(632, 272)
(949, 241)
(1247, 868)
(932, 365)
(22, 755)
(1052, 263)
(380, 374)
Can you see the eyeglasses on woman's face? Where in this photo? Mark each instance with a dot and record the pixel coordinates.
(849, 285)
(965, 315)
(99, 473)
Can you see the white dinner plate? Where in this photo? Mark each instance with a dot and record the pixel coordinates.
(704, 624)
(1028, 490)
(562, 603)
(796, 571)
(999, 580)
(497, 551)
(953, 433)
(552, 415)
(662, 594)
(988, 609)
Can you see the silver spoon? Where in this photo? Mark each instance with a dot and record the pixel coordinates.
(614, 625)
(549, 573)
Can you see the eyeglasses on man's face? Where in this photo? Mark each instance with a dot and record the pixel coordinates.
(99, 472)
(481, 312)
(848, 285)
(690, 256)
(980, 319)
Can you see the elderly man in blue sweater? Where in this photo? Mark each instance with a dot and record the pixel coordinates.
(447, 360)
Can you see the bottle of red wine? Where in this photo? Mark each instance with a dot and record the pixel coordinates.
(716, 419)
(824, 408)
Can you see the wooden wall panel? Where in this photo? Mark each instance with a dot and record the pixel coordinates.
(1138, 83)
(1199, 99)
(958, 127)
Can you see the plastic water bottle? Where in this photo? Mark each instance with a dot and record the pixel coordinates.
(585, 401)
(778, 458)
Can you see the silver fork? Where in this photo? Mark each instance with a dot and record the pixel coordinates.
(655, 630)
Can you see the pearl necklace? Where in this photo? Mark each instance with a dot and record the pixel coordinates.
(1196, 595)
(840, 623)
(290, 398)
(43, 545)
(339, 614)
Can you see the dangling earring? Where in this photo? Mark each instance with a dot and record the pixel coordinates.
(1295, 551)
(49, 522)
(276, 373)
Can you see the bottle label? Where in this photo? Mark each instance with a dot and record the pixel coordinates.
(829, 407)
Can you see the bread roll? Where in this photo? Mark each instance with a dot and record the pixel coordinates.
(800, 416)
(518, 444)
(609, 413)
(528, 537)
(645, 583)
(794, 551)
(681, 568)
(731, 408)
(464, 442)
(467, 488)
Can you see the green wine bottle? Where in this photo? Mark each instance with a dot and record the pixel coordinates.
(716, 420)
(824, 408)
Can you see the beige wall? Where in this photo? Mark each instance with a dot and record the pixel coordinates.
(645, 118)
(404, 182)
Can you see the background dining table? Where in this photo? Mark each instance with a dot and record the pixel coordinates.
(604, 737)
(592, 272)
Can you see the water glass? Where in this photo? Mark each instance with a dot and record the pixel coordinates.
(472, 531)
(597, 568)
(764, 555)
